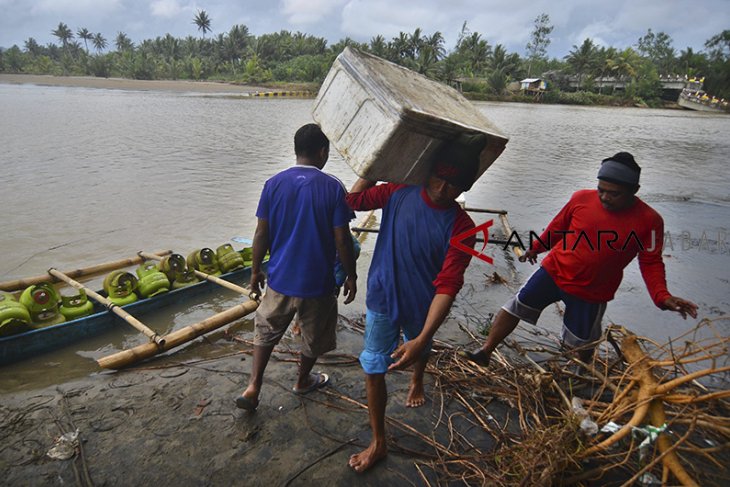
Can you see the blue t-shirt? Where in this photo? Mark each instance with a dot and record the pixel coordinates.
(303, 206)
(409, 253)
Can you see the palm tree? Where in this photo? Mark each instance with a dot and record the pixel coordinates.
(501, 61)
(32, 47)
(202, 20)
(582, 59)
(400, 47)
(169, 47)
(191, 46)
(319, 44)
(63, 33)
(86, 36)
(605, 57)
(415, 43)
(476, 51)
(448, 68)
(123, 42)
(497, 81)
(240, 38)
(624, 64)
(99, 42)
(378, 45)
(435, 42)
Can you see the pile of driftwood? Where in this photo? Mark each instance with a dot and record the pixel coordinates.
(642, 413)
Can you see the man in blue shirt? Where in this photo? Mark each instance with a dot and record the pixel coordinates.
(303, 222)
(414, 276)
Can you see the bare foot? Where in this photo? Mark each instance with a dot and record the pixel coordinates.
(416, 397)
(368, 457)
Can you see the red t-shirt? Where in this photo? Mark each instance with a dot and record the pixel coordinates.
(590, 246)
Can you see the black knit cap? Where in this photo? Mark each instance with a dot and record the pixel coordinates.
(621, 168)
(457, 161)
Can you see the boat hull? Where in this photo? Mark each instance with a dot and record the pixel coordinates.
(691, 104)
(17, 347)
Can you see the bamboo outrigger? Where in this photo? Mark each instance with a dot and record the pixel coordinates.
(106, 316)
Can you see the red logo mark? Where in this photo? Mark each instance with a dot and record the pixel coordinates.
(457, 240)
(447, 171)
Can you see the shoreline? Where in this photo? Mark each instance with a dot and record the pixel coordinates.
(224, 88)
(177, 86)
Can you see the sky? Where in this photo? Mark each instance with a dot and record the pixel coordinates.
(616, 23)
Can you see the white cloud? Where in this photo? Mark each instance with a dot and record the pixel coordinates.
(596, 32)
(619, 23)
(165, 8)
(73, 7)
(306, 12)
(364, 19)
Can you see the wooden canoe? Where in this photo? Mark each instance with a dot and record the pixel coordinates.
(20, 346)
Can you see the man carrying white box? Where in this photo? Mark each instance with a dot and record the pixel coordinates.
(414, 276)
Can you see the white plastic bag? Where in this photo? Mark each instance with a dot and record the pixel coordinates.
(65, 446)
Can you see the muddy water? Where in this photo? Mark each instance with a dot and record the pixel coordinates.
(95, 175)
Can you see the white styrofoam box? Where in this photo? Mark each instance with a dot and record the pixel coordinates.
(388, 121)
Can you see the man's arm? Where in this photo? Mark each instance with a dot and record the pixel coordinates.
(653, 272)
(261, 244)
(412, 350)
(343, 242)
(365, 195)
(361, 185)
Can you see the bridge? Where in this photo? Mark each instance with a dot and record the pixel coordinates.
(669, 82)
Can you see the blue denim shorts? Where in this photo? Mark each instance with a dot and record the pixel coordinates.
(381, 340)
(581, 321)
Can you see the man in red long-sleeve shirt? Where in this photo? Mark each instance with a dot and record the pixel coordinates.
(591, 240)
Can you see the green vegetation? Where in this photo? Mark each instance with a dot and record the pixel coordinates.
(481, 70)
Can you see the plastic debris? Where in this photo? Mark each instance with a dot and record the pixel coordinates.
(587, 425)
(242, 240)
(65, 446)
(649, 479)
(610, 427)
(650, 433)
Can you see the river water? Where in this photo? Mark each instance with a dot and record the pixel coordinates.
(92, 175)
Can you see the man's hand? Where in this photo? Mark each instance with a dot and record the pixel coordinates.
(406, 354)
(258, 280)
(350, 289)
(681, 306)
(529, 255)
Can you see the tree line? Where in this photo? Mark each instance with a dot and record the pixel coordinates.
(480, 67)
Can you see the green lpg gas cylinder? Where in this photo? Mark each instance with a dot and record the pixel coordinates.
(151, 280)
(184, 278)
(171, 265)
(42, 303)
(76, 306)
(119, 286)
(228, 259)
(204, 260)
(247, 254)
(14, 317)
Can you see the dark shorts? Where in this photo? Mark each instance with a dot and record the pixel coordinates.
(317, 319)
(581, 321)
